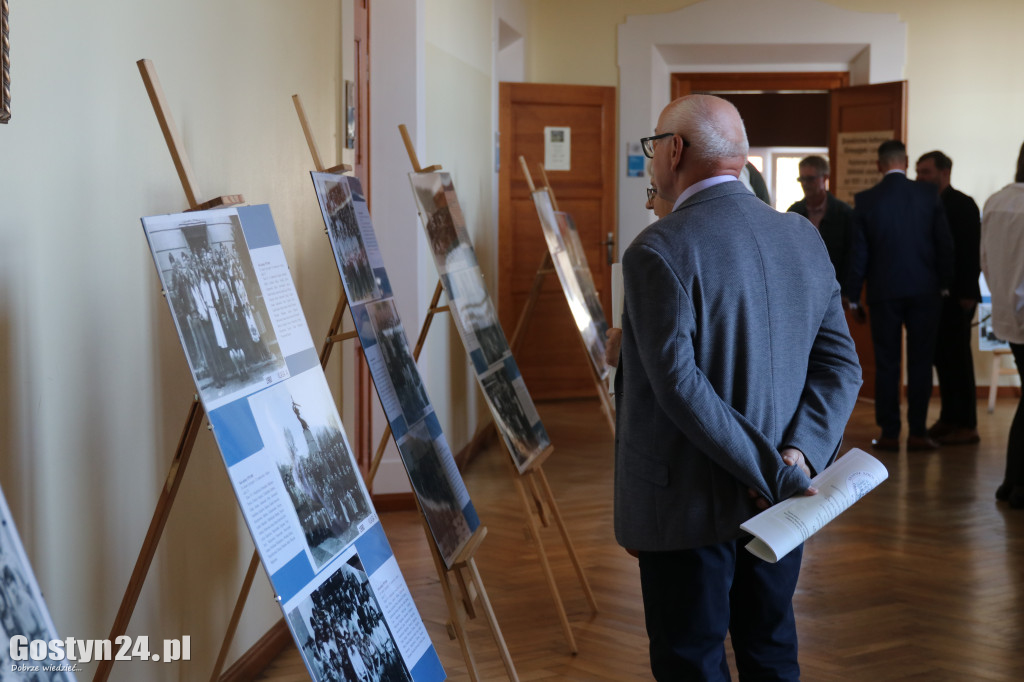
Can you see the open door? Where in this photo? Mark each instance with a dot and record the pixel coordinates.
(551, 359)
(862, 117)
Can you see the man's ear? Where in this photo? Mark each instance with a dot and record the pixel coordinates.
(677, 151)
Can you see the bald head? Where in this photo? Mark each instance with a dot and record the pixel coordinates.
(713, 128)
(709, 139)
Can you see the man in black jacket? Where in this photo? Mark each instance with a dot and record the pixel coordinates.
(954, 363)
(832, 217)
(903, 250)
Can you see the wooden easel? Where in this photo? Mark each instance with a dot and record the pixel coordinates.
(540, 491)
(196, 412)
(546, 268)
(463, 571)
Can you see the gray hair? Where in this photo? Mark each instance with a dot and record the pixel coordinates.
(709, 139)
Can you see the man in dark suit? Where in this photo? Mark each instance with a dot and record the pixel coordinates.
(903, 248)
(736, 379)
(954, 362)
(832, 217)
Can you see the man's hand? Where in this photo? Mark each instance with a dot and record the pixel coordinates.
(612, 347)
(792, 457)
(967, 303)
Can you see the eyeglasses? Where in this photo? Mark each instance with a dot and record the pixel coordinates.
(807, 178)
(651, 193)
(648, 143)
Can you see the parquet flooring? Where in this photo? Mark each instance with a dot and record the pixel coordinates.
(922, 580)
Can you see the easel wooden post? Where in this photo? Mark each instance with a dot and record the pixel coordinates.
(196, 412)
(546, 268)
(473, 587)
(534, 477)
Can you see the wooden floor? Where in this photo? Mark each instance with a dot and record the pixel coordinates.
(922, 580)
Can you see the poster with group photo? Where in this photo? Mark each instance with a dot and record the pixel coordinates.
(477, 320)
(573, 272)
(288, 458)
(428, 459)
(23, 612)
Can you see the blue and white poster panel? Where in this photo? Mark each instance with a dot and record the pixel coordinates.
(574, 275)
(477, 320)
(428, 459)
(25, 651)
(232, 298)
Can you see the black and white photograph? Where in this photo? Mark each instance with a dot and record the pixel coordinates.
(582, 268)
(338, 207)
(468, 296)
(575, 278)
(443, 220)
(394, 349)
(22, 610)
(437, 497)
(342, 633)
(217, 304)
(302, 434)
(524, 441)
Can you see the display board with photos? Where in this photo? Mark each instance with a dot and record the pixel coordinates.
(428, 459)
(477, 320)
(573, 272)
(23, 612)
(245, 337)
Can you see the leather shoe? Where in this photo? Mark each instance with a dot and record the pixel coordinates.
(940, 429)
(886, 443)
(958, 437)
(921, 444)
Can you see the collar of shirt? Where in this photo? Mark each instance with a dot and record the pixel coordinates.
(702, 185)
(896, 170)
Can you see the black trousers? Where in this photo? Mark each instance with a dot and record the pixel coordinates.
(955, 365)
(1015, 445)
(694, 597)
(920, 315)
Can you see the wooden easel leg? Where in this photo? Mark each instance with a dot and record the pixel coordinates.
(531, 301)
(542, 555)
(499, 639)
(156, 529)
(236, 616)
(565, 538)
(538, 502)
(325, 351)
(457, 621)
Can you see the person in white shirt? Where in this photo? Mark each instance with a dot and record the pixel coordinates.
(1002, 261)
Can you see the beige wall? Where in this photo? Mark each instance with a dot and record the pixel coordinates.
(94, 386)
(966, 96)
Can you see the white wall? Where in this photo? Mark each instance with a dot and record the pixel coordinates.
(776, 35)
(94, 386)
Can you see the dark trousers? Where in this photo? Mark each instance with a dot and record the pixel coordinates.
(1015, 445)
(955, 365)
(920, 315)
(694, 597)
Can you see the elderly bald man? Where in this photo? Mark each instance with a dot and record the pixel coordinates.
(737, 378)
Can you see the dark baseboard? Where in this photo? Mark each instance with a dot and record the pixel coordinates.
(389, 502)
(260, 655)
(1001, 392)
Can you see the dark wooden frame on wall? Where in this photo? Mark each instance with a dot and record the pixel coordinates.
(5, 64)
(685, 83)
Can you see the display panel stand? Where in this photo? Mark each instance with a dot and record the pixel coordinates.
(546, 268)
(195, 413)
(463, 572)
(533, 504)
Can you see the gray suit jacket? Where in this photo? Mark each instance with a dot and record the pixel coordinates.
(734, 346)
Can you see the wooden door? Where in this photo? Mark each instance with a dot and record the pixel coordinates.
(864, 109)
(551, 357)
